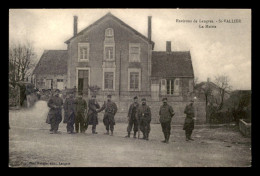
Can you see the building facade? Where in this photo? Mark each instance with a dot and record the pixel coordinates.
(113, 56)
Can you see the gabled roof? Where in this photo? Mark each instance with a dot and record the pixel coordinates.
(52, 62)
(172, 64)
(116, 19)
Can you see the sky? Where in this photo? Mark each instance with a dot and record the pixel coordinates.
(224, 50)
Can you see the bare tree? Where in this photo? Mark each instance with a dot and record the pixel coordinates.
(207, 92)
(223, 84)
(21, 62)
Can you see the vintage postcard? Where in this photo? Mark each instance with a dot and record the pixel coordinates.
(130, 88)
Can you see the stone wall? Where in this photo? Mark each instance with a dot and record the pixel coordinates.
(178, 108)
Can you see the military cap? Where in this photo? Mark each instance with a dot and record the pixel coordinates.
(109, 96)
(165, 98)
(143, 99)
(135, 97)
(94, 96)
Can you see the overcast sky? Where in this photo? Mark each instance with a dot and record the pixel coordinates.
(225, 49)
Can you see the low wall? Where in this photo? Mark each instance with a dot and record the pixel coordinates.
(178, 108)
(245, 128)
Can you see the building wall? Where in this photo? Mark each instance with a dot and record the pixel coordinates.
(50, 76)
(185, 89)
(122, 38)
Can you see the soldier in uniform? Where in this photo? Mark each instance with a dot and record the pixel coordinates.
(55, 115)
(189, 120)
(69, 113)
(144, 117)
(132, 121)
(166, 113)
(109, 116)
(81, 106)
(92, 113)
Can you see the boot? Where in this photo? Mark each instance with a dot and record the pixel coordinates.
(94, 132)
(107, 133)
(111, 133)
(144, 136)
(167, 138)
(147, 136)
(164, 138)
(135, 134)
(128, 135)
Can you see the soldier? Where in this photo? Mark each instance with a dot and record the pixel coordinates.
(92, 113)
(144, 117)
(81, 106)
(132, 121)
(69, 113)
(55, 116)
(166, 113)
(110, 111)
(189, 120)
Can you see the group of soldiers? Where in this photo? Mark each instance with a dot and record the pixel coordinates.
(77, 111)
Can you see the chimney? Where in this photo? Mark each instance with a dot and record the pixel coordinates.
(150, 28)
(75, 25)
(168, 47)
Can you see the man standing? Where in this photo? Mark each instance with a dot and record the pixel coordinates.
(132, 121)
(81, 106)
(55, 117)
(109, 116)
(166, 113)
(189, 120)
(144, 118)
(92, 113)
(69, 113)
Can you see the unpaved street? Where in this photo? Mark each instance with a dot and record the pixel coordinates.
(31, 145)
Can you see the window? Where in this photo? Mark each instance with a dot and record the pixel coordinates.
(109, 52)
(59, 80)
(170, 86)
(83, 52)
(108, 80)
(134, 80)
(134, 52)
(109, 32)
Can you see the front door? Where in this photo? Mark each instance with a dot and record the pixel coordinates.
(83, 77)
(49, 84)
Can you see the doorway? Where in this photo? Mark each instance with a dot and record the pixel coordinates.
(83, 81)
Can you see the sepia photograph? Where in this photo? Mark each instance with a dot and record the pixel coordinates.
(129, 87)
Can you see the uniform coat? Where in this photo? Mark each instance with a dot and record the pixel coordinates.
(144, 118)
(166, 113)
(81, 106)
(109, 116)
(69, 113)
(189, 122)
(54, 116)
(132, 117)
(92, 112)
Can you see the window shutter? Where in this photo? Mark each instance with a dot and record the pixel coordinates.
(163, 86)
(176, 85)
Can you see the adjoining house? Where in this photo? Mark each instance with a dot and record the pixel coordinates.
(121, 61)
(51, 70)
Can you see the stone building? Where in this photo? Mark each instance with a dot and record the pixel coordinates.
(121, 61)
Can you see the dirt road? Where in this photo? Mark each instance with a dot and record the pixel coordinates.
(31, 145)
